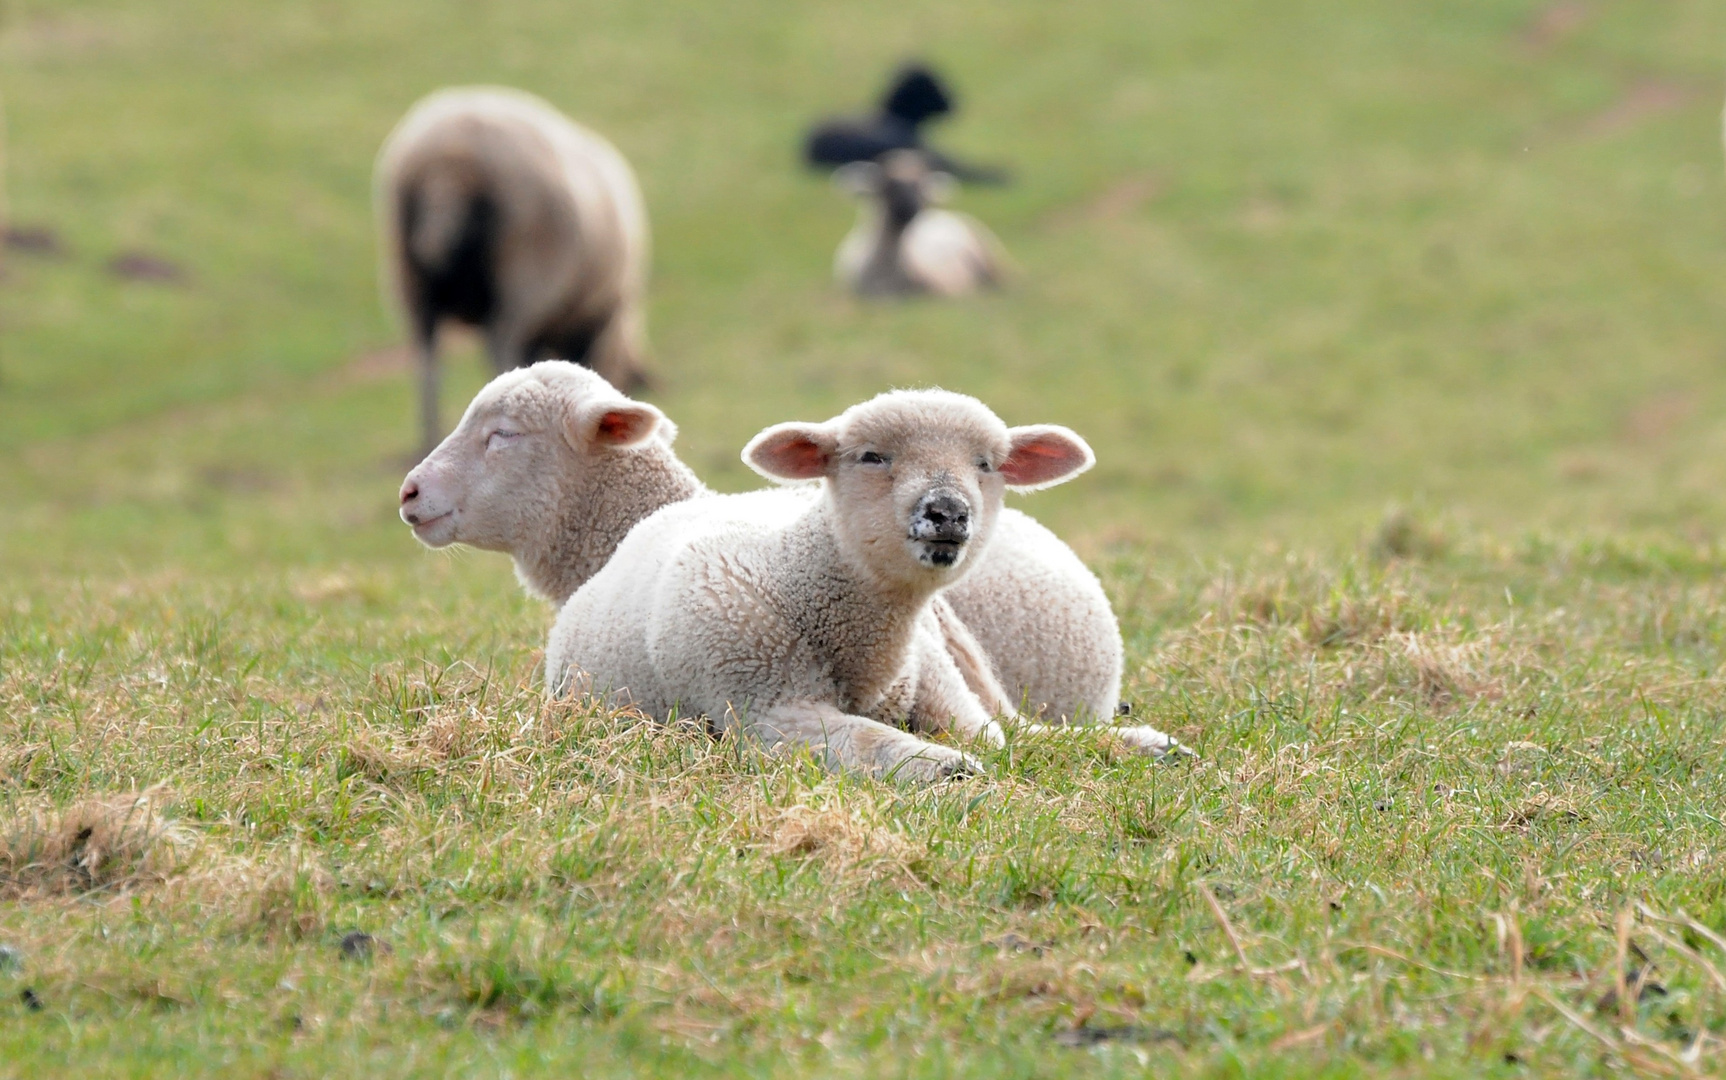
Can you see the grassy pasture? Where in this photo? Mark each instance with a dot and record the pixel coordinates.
(1456, 810)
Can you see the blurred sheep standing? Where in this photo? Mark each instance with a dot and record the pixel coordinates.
(499, 212)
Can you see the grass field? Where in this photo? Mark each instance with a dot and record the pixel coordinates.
(1398, 330)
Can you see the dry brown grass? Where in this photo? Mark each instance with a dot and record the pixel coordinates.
(109, 843)
(1353, 638)
(287, 896)
(846, 835)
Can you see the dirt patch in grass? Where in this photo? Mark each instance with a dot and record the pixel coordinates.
(376, 365)
(1555, 24)
(1658, 417)
(147, 267)
(37, 240)
(1121, 199)
(1644, 101)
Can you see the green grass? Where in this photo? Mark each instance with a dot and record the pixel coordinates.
(1286, 266)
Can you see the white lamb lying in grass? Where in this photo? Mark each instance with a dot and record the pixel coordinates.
(554, 466)
(815, 630)
(903, 246)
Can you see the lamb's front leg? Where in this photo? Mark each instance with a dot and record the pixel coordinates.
(944, 700)
(970, 659)
(846, 741)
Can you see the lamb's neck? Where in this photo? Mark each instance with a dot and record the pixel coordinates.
(860, 627)
(884, 271)
(593, 516)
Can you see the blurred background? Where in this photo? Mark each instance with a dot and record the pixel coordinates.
(1285, 265)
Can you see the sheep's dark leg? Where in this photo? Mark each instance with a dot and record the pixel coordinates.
(613, 350)
(425, 343)
(506, 349)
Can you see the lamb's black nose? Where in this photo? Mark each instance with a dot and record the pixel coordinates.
(942, 518)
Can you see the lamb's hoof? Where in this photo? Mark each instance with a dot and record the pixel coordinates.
(935, 763)
(1150, 742)
(965, 766)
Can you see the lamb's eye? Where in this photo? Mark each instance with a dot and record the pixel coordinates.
(870, 457)
(500, 438)
(984, 466)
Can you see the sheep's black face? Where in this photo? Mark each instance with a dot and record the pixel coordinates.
(903, 198)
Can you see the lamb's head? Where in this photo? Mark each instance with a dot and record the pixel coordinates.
(527, 439)
(915, 478)
(901, 182)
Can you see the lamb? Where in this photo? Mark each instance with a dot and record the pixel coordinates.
(814, 629)
(499, 212)
(901, 246)
(554, 466)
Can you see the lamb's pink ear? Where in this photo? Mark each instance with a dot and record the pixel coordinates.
(1043, 456)
(791, 452)
(619, 423)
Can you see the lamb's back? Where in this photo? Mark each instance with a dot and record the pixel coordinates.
(604, 629)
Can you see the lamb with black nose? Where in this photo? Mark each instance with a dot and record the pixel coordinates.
(820, 630)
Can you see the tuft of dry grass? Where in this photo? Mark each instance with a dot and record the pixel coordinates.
(1439, 672)
(848, 839)
(287, 896)
(107, 843)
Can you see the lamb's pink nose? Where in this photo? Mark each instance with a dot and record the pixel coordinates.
(410, 490)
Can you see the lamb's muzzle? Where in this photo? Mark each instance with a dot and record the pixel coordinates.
(940, 527)
(432, 523)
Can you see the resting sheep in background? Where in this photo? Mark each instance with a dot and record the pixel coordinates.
(901, 246)
(497, 211)
(814, 628)
(916, 96)
(553, 466)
